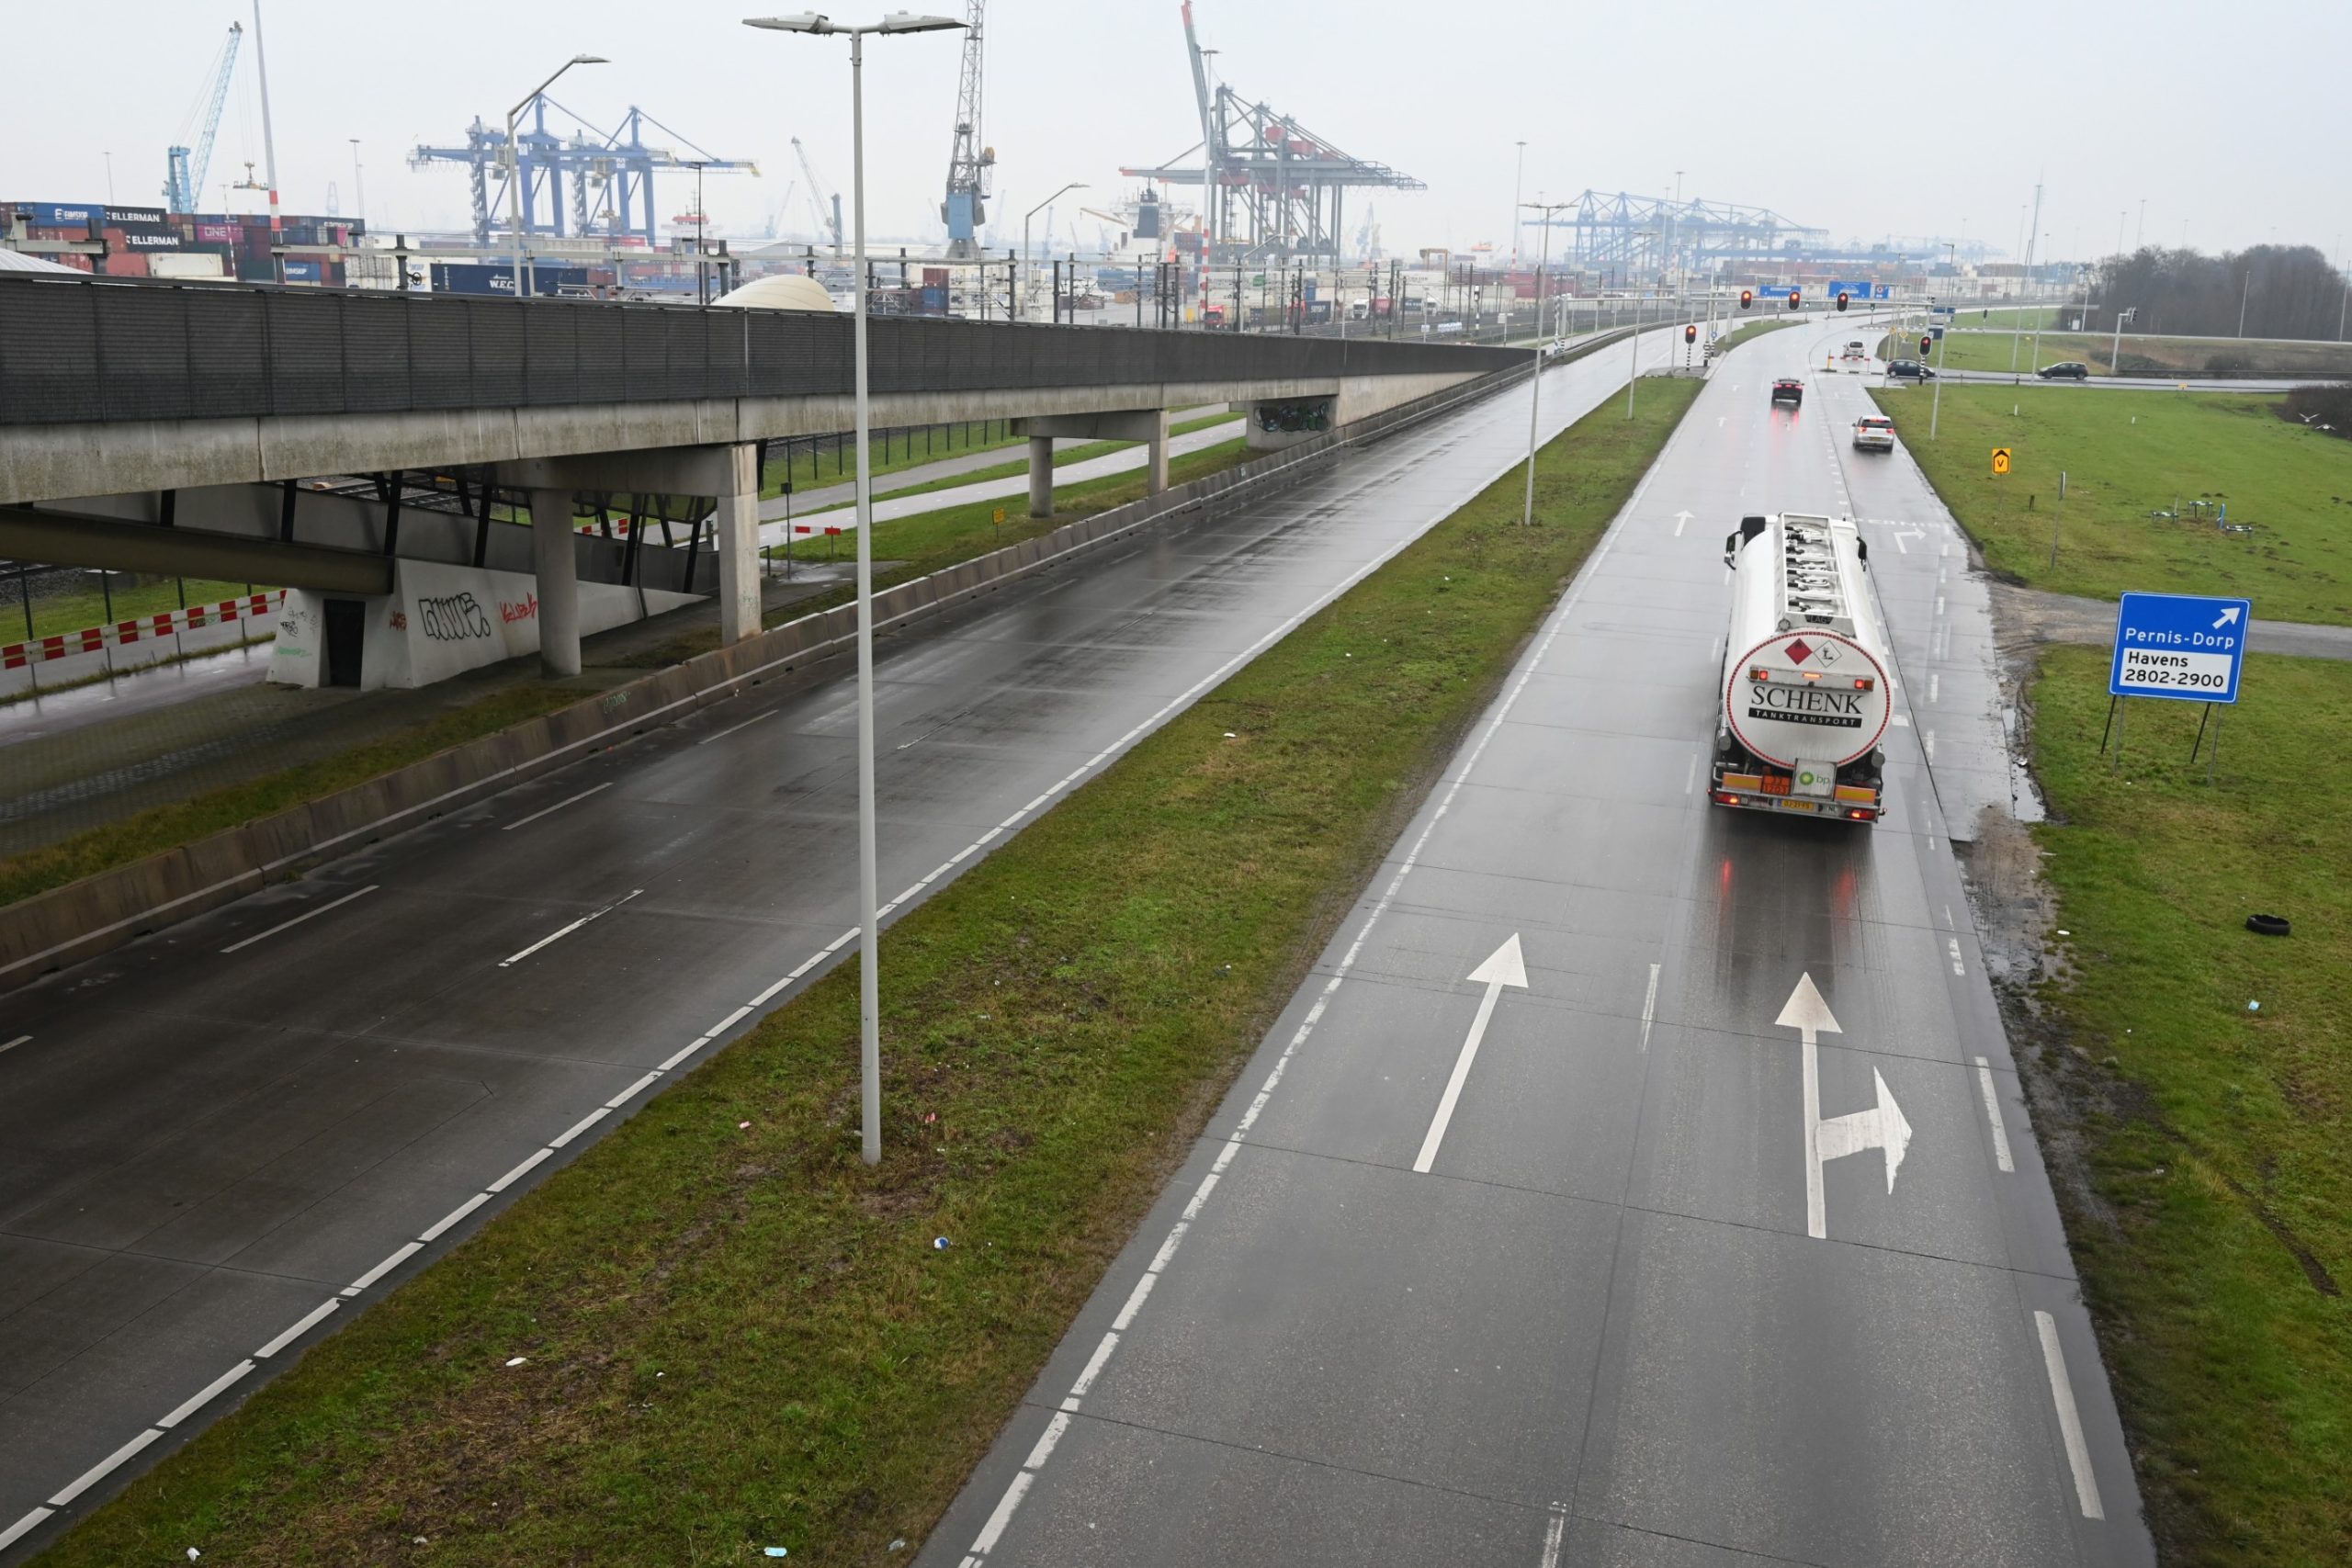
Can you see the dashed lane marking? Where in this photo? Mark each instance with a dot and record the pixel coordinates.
(570, 800)
(305, 915)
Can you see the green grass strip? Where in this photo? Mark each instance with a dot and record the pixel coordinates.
(2127, 454)
(2213, 1138)
(736, 1334)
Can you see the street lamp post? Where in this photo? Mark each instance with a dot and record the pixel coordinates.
(514, 161)
(1535, 382)
(2115, 355)
(1074, 185)
(869, 894)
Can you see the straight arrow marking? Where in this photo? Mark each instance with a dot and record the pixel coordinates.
(1505, 967)
(1883, 1127)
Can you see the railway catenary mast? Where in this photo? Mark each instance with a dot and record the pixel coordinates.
(1808, 680)
(970, 164)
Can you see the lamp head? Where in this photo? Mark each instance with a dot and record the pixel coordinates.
(908, 22)
(798, 22)
(590, 60)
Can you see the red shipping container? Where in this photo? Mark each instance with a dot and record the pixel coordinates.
(126, 263)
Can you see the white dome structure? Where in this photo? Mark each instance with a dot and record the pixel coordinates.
(779, 291)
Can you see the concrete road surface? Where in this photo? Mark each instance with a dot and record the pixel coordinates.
(1634, 1181)
(229, 1138)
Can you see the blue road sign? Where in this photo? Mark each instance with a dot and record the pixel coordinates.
(2185, 646)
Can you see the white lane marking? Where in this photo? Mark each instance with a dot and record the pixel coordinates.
(1649, 1008)
(302, 1326)
(1554, 1528)
(204, 1396)
(407, 1251)
(572, 800)
(1952, 944)
(1948, 921)
(520, 1171)
(306, 915)
(1094, 1365)
(1993, 1115)
(559, 936)
(453, 1217)
(1689, 771)
(12, 1045)
(19, 1530)
(630, 1093)
(2070, 1420)
(1935, 686)
(579, 1127)
(728, 731)
(1927, 739)
(105, 1467)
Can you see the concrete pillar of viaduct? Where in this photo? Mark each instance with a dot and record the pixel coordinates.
(739, 546)
(1147, 425)
(555, 564)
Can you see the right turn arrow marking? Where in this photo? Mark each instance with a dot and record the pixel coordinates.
(1883, 1127)
(1503, 968)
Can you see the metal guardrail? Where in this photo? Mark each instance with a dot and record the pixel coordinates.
(75, 350)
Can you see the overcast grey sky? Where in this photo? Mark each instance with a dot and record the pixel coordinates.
(1899, 118)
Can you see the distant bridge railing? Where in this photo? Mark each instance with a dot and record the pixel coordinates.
(94, 350)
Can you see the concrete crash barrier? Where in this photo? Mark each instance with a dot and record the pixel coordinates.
(108, 909)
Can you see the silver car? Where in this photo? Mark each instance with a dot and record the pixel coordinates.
(1873, 433)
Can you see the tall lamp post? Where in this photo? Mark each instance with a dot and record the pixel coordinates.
(514, 161)
(868, 894)
(1025, 264)
(1535, 382)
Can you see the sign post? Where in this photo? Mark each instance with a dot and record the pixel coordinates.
(2180, 647)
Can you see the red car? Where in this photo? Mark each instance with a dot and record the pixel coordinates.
(1788, 390)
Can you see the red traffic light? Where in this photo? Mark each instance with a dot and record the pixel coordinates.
(1794, 296)
(1841, 298)
(1689, 334)
(1746, 298)
(1925, 343)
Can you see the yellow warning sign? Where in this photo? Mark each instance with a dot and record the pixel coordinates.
(1000, 511)
(2000, 461)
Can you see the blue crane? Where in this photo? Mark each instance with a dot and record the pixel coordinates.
(185, 167)
(609, 175)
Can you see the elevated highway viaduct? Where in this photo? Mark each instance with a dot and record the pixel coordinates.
(188, 428)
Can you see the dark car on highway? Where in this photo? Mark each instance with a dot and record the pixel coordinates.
(1788, 390)
(2066, 370)
(1909, 370)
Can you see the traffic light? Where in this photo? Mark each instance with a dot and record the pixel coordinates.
(1925, 342)
(1794, 296)
(1689, 334)
(1841, 298)
(1746, 298)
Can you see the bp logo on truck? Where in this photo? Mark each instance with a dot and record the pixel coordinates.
(1808, 699)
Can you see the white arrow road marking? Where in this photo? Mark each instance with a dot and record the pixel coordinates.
(1881, 1127)
(2227, 616)
(1680, 519)
(1504, 967)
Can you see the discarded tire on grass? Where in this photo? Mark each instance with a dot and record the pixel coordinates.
(2267, 925)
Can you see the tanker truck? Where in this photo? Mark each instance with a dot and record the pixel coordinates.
(1808, 691)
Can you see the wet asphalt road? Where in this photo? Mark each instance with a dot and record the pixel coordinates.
(1581, 1308)
(228, 1137)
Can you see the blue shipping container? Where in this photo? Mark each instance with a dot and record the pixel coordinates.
(60, 214)
(302, 270)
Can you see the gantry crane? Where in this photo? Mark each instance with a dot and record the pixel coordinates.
(818, 197)
(185, 167)
(969, 162)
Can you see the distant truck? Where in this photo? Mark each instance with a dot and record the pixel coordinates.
(1807, 690)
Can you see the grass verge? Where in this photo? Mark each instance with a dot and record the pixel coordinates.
(1756, 329)
(2125, 456)
(131, 597)
(1063, 458)
(168, 826)
(736, 1334)
(1986, 350)
(2216, 1233)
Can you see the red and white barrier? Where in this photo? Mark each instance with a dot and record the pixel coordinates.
(122, 634)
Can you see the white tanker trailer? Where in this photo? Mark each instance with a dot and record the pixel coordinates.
(1807, 689)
